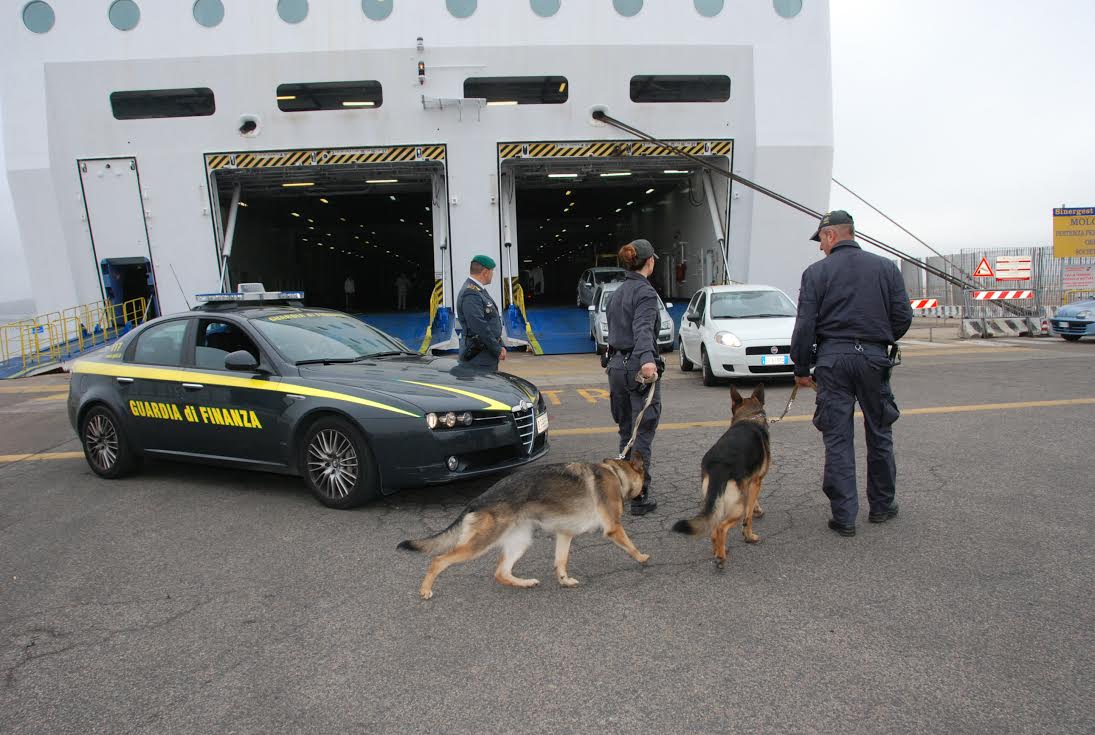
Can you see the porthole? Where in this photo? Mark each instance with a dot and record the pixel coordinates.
(124, 15)
(293, 11)
(787, 8)
(545, 8)
(627, 8)
(376, 9)
(208, 13)
(461, 8)
(708, 8)
(38, 17)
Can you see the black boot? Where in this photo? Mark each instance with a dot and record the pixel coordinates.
(643, 504)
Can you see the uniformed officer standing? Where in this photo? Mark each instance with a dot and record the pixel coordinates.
(852, 306)
(632, 330)
(481, 343)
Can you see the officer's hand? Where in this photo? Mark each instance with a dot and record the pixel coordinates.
(502, 354)
(805, 381)
(649, 370)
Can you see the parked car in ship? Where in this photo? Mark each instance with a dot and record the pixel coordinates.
(598, 319)
(591, 279)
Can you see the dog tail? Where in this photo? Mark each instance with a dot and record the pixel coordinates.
(717, 477)
(439, 543)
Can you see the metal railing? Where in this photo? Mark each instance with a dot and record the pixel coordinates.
(48, 338)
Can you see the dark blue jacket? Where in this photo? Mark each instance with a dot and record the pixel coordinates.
(479, 316)
(850, 295)
(633, 319)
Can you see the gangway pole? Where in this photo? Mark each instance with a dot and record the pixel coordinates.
(229, 235)
(716, 222)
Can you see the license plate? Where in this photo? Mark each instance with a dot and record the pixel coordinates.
(541, 423)
(1064, 325)
(775, 360)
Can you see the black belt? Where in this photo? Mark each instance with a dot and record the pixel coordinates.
(852, 341)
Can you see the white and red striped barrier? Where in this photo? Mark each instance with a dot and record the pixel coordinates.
(1001, 295)
(924, 303)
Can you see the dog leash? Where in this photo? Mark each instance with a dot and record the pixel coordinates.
(638, 419)
(794, 394)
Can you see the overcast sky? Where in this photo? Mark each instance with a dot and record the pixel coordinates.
(965, 120)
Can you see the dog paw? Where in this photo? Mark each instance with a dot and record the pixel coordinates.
(758, 512)
(568, 582)
(642, 558)
(751, 538)
(426, 594)
(720, 564)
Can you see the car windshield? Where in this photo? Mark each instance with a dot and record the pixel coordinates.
(750, 305)
(321, 336)
(607, 276)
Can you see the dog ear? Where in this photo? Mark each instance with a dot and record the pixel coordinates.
(636, 462)
(758, 393)
(735, 399)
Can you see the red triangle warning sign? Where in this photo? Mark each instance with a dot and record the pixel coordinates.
(983, 270)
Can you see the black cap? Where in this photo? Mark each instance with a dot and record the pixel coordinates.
(836, 217)
(643, 250)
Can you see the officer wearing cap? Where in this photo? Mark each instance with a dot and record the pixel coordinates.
(481, 343)
(632, 350)
(852, 306)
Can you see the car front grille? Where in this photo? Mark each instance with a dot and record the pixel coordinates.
(1074, 327)
(780, 350)
(525, 420)
(771, 369)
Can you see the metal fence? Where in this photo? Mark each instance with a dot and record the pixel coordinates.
(1045, 281)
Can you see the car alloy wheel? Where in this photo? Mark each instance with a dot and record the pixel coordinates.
(105, 445)
(333, 464)
(337, 464)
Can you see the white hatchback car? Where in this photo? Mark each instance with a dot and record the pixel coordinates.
(741, 331)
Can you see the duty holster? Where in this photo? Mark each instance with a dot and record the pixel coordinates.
(472, 347)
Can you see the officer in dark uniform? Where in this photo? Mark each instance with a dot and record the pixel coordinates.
(852, 308)
(481, 343)
(632, 330)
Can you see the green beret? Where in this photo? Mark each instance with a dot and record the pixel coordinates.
(484, 260)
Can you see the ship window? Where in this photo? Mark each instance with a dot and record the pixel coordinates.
(686, 88)
(627, 8)
(376, 9)
(787, 8)
(708, 8)
(38, 17)
(545, 8)
(153, 103)
(518, 90)
(124, 15)
(293, 11)
(311, 96)
(461, 8)
(208, 13)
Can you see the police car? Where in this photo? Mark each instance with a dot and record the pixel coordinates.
(258, 380)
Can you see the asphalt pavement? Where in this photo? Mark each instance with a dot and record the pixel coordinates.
(188, 599)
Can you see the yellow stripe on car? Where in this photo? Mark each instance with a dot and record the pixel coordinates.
(492, 405)
(230, 381)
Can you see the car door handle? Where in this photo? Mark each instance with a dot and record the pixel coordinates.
(124, 381)
(193, 386)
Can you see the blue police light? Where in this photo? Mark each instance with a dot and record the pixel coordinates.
(251, 296)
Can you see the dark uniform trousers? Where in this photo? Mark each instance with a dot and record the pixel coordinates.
(627, 402)
(846, 374)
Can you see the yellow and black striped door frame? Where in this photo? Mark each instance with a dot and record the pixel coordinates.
(324, 157)
(612, 149)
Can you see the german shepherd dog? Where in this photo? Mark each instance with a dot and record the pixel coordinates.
(564, 499)
(733, 470)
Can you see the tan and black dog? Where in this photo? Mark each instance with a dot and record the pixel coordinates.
(733, 470)
(564, 499)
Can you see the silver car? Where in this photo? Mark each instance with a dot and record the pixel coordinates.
(591, 279)
(598, 320)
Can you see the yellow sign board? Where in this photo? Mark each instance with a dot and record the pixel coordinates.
(1074, 232)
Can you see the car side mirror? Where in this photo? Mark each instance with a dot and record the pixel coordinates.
(592, 307)
(694, 318)
(241, 360)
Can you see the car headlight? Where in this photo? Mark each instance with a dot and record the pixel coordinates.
(727, 339)
(667, 324)
(1085, 314)
(431, 420)
(448, 420)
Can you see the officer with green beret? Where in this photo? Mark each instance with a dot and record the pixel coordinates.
(481, 343)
